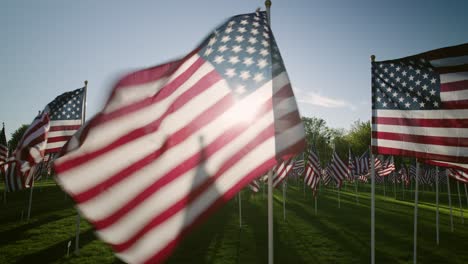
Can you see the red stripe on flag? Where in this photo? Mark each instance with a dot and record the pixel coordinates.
(420, 122)
(417, 154)
(428, 140)
(454, 86)
(64, 128)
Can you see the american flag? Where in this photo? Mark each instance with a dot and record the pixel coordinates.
(3, 146)
(65, 112)
(351, 165)
(13, 177)
(338, 169)
(420, 105)
(326, 178)
(31, 148)
(362, 165)
(387, 167)
(281, 171)
(404, 175)
(363, 178)
(457, 166)
(459, 175)
(254, 186)
(176, 141)
(312, 172)
(299, 165)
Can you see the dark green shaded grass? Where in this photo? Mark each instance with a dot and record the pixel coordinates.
(334, 235)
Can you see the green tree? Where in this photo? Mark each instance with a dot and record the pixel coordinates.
(16, 137)
(359, 137)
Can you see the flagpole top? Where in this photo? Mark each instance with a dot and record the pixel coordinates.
(372, 58)
(268, 3)
(86, 82)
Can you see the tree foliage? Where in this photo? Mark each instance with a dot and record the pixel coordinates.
(16, 137)
(325, 139)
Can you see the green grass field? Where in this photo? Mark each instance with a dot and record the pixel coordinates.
(334, 235)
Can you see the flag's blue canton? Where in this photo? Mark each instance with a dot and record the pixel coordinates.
(67, 106)
(244, 52)
(405, 85)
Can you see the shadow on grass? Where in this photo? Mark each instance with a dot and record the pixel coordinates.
(57, 251)
(16, 233)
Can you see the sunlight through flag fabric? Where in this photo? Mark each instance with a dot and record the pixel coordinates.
(176, 141)
(420, 105)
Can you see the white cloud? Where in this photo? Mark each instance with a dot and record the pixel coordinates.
(314, 98)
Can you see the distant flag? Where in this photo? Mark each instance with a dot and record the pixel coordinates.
(362, 165)
(404, 175)
(176, 141)
(420, 105)
(299, 165)
(338, 169)
(13, 177)
(3, 146)
(31, 148)
(351, 165)
(281, 171)
(387, 167)
(313, 170)
(363, 178)
(254, 186)
(66, 113)
(326, 178)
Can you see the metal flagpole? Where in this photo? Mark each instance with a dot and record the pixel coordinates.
(437, 204)
(466, 194)
(78, 217)
(315, 201)
(31, 173)
(356, 189)
(460, 202)
(450, 200)
(415, 239)
(383, 178)
(339, 200)
(270, 180)
(240, 209)
(284, 200)
(372, 163)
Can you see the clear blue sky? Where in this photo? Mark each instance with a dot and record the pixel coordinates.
(48, 47)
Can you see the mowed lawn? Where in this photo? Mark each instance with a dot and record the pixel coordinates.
(334, 235)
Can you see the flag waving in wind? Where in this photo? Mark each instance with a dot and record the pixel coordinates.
(420, 105)
(66, 112)
(178, 140)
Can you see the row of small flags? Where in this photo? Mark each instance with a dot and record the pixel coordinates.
(173, 129)
(357, 169)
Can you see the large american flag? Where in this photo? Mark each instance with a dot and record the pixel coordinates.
(420, 105)
(178, 140)
(66, 112)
